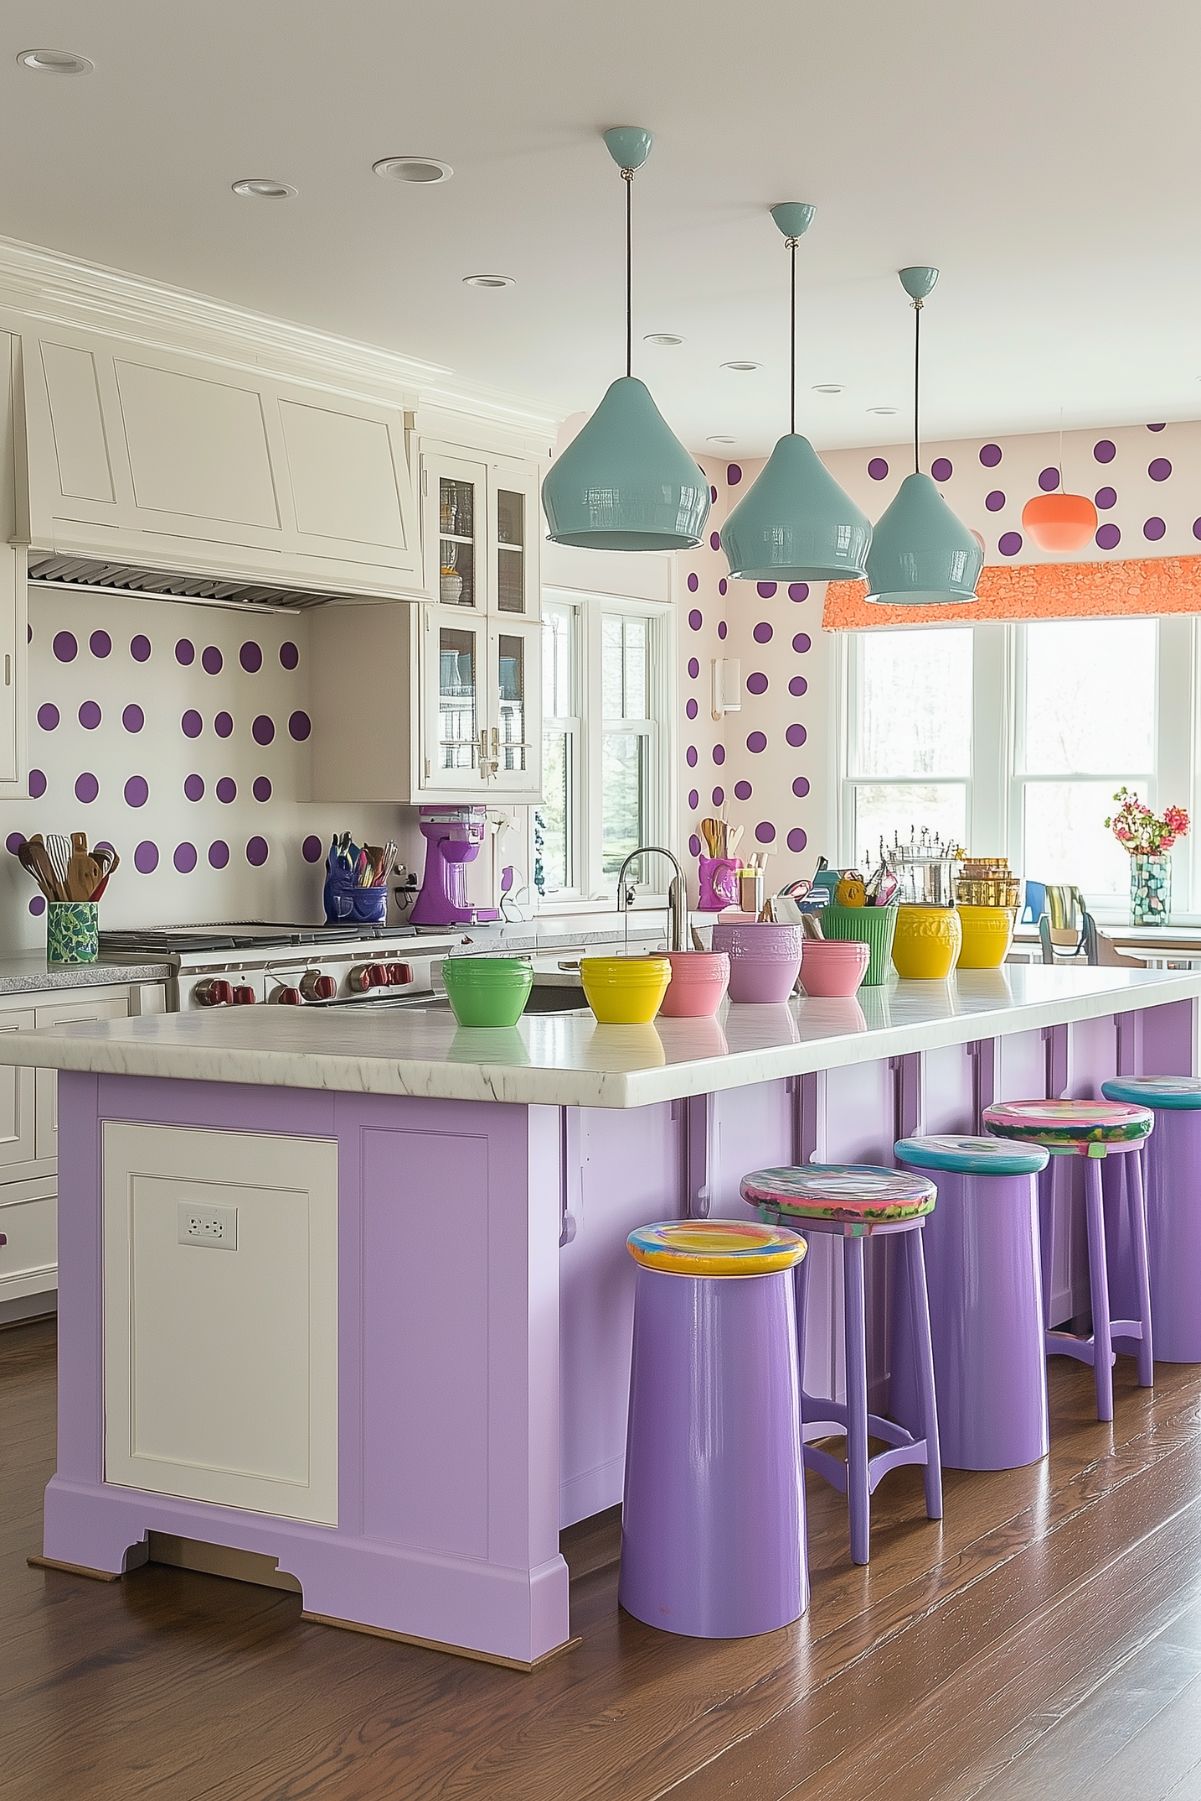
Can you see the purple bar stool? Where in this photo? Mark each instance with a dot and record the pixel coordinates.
(713, 1524)
(1093, 1130)
(854, 1201)
(1172, 1165)
(984, 1269)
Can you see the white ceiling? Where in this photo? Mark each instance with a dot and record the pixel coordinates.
(1045, 156)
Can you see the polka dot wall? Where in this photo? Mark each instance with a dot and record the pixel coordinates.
(182, 735)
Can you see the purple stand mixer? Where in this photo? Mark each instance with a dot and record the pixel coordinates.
(453, 836)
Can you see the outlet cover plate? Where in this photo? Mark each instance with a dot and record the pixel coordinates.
(212, 1226)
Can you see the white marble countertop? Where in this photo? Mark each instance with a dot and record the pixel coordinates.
(570, 1060)
(29, 973)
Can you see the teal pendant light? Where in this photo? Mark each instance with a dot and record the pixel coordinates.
(796, 524)
(626, 482)
(921, 554)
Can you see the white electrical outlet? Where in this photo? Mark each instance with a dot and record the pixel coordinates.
(216, 1227)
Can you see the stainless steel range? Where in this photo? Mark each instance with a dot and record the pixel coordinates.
(245, 964)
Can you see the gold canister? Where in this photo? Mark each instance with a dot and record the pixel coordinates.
(926, 942)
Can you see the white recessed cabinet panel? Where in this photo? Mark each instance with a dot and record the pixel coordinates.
(197, 446)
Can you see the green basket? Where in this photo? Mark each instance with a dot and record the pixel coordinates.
(873, 926)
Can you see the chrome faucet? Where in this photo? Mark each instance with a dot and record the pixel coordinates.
(677, 894)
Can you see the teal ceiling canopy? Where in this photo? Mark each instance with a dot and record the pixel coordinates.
(796, 524)
(921, 554)
(625, 482)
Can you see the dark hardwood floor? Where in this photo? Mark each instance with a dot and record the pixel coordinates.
(1044, 1642)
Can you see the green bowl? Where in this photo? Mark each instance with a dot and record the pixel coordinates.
(488, 991)
(873, 926)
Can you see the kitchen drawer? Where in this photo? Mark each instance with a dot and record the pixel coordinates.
(54, 1013)
(28, 1217)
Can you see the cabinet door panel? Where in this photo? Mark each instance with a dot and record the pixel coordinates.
(454, 695)
(85, 470)
(515, 709)
(46, 1086)
(28, 1262)
(16, 1101)
(197, 446)
(348, 477)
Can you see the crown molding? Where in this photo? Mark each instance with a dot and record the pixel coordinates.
(60, 289)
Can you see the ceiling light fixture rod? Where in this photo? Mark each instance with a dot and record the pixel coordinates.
(627, 175)
(792, 244)
(917, 384)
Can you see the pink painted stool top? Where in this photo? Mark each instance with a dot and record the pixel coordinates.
(1071, 1125)
(860, 1192)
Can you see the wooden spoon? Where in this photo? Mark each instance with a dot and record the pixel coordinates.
(83, 871)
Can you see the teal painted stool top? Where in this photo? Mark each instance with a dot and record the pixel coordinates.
(1172, 1093)
(1087, 1128)
(973, 1156)
(859, 1192)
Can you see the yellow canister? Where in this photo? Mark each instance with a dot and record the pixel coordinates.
(987, 935)
(926, 942)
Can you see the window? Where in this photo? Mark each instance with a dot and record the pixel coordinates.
(605, 735)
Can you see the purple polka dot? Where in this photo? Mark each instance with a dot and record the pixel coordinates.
(1108, 537)
(212, 660)
(37, 784)
(722, 629)
(797, 838)
(185, 651)
(137, 791)
(714, 541)
(251, 657)
(139, 648)
(65, 647)
(299, 726)
(696, 619)
(227, 789)
(694, 668)
(712, 493)
(990, 455)
(100, 644)
(193, 787)
(185, 858)
(1154, 529)
(723, 586)
(261, 788)
(89, 715)
(1197, 528)
(877, 469)
(765, 832)
(756, 742)
(733, 474)
(743, 790)
(798, 685)
(800, 786)
(994, 501)
(1105, 450)
(694, 845)
(1048, 480)
(798, 590)
(690, 756)
(796, 736)
(263, 729)
(719, 754)
(48, 716)
(145, 857)
(218, 853)
(694, 800)
(289, 656)
(765, 590)
(1159, 469)
(191, 724)
(1106, 498)
(37, 905)
(718, 797)
(941, 469)
(1009, 543)
(756, 683)
(256, 851)
(691, 709)
(223, 725)
(132, 717)
(762, 632)
(694, 582)
(311, 850)
(801, 643)
(1155, 428)
(13, 842)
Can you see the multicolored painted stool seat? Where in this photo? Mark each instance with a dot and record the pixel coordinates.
(715, 1247)
(859, 1193)
(1088, 1128)
(1172, 1093)
(974, 1156)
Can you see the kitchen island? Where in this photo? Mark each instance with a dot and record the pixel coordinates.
(350, 1290)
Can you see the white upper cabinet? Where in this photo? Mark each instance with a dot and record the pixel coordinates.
(174, 461)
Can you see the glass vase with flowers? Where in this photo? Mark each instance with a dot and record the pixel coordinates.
(1147, 838)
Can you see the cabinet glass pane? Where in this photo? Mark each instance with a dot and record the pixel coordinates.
(512, 749)
(456, 548)
(510, 553)
(458, 699)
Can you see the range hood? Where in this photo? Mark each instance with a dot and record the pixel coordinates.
(91, 574)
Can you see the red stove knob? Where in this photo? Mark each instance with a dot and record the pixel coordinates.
(399, 974)
(316, 987)
(243, 996)
(290, 997)
(214, 993)
(362, 977)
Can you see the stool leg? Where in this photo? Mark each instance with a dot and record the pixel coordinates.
(1133, 1164)
(855, 1338)
(1046, 1219)
(923, 1351)
(1098, 1282)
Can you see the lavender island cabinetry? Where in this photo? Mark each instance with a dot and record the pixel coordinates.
(351, 1292)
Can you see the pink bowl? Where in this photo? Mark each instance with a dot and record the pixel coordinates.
(699, 980)
(833, 966)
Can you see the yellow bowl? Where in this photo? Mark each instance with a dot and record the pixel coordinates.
(926, 942)
(987, 935)
(625, 991)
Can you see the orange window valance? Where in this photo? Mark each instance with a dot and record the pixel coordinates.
(1020, 591)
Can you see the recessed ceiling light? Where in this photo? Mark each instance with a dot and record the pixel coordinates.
(828, 387)
(721, 440)
(741, 367)
(262, 187)
(489, 281)
(55, 62)
(662, 337)
(884, 412)
(422, 171)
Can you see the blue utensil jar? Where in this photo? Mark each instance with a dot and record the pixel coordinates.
(348, 904)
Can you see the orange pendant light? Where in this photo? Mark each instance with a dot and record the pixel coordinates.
(1060, 521)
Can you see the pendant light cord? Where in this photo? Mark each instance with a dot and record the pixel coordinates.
(917, 386)
(627, 175)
